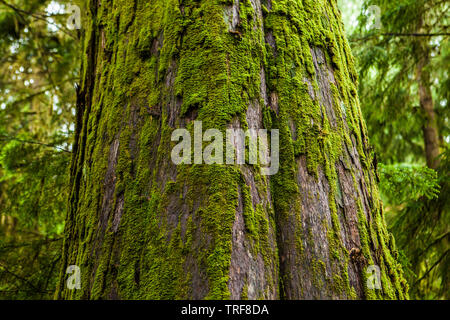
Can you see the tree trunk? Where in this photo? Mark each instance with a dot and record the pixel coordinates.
(140, 227)
(430, 127)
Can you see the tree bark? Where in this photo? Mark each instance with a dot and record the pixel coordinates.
(140, 227)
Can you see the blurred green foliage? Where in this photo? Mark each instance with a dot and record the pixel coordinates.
(38, 70)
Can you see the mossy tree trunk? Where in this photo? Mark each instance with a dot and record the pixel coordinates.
(140, 227)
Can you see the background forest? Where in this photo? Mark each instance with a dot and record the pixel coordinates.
(403, 57)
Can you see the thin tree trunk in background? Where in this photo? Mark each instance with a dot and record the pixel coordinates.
(430, 128)
(140, 227)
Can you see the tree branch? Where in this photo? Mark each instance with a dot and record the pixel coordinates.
(42, 17)
(394, 34)
(7, 138)
(432, 267)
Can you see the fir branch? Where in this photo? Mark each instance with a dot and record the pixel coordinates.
(8, 138)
